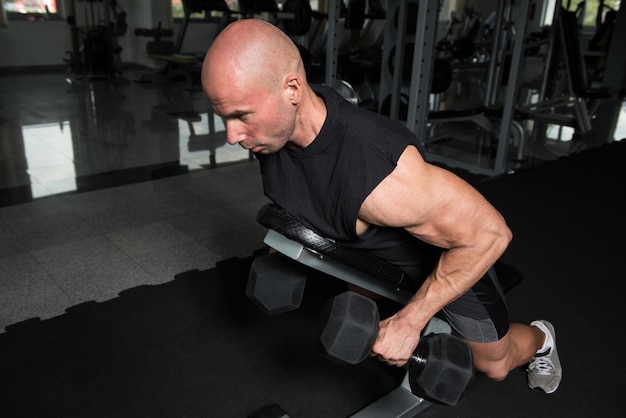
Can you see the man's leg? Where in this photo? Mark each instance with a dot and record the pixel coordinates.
(480, 316)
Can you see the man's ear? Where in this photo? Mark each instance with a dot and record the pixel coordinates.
(293, 84)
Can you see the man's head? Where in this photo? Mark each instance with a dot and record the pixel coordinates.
(253, 76)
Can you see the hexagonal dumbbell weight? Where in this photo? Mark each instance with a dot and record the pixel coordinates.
(439, 370)
(276, 283)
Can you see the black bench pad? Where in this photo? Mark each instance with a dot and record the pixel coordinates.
(274, 217)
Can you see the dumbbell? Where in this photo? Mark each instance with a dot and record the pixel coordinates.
(439, 370)
(276, 283)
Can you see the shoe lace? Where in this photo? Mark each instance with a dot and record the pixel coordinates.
(542, 366)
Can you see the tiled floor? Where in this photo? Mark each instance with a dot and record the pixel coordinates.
(60, 247)
(107, 186)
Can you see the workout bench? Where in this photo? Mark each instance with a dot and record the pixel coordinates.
(297, 242)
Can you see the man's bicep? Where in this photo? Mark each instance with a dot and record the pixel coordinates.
(431, 203)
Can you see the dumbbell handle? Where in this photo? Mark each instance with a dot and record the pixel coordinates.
(416, 360)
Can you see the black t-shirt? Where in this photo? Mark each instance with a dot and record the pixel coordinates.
(325, 184)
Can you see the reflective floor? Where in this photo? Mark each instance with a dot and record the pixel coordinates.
(105, 186)
(60, 137)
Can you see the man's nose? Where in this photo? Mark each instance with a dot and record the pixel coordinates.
(233, 133)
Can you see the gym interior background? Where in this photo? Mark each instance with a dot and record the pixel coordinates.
(114, 173)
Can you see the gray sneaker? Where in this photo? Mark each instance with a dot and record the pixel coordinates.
(544, 370)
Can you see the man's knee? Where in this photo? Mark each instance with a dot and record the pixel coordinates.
(492, 359)
(496, 370)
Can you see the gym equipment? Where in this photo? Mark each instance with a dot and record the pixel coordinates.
(198, 6)
(275, 283)
(364, 270)
(297, 17)
(442, 69)
(495, 120)
(294, 18)
(157, 46)
(571, 101)
(347, 91)
(294, 240)
(439, 370)
(411, 14)
(487, 121)
(353, 84)
(178, 65)
(461, 46)
(95, 51)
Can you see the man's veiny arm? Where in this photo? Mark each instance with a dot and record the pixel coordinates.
(439, 208)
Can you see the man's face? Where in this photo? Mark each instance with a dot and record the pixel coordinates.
(257, 120)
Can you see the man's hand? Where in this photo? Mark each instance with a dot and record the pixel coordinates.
(396, 341)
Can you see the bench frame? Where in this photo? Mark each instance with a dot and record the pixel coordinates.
(400, 402)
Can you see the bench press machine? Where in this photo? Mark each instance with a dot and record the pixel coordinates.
(294, 241)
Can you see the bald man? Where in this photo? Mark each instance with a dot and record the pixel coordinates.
(360, 178)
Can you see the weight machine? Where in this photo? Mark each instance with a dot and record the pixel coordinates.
(494, 119)
(179, 65)
(566, 98)
(294, 18)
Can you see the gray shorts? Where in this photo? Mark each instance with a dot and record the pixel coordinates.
(481, 314)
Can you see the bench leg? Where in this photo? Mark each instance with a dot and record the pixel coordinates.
(400, 402)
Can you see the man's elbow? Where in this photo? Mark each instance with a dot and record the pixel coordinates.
(505, 236)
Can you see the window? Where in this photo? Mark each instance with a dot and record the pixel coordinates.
(30, 6)
(178, 11)
(591, 8)
(586, 10)
(30, 9)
